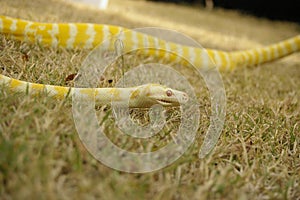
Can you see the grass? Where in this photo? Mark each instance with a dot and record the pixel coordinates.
(257, 155)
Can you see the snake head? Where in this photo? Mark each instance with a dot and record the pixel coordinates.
(152, 94)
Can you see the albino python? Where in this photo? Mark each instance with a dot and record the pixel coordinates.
(76, 35)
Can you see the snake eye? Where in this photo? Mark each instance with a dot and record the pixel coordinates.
(169, 93)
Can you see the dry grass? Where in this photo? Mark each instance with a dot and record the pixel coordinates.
(257, 155)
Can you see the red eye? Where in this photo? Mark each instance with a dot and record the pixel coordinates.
(169, 93)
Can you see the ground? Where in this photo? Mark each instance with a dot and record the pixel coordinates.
(257, 155)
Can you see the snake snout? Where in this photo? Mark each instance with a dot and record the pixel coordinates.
(183, 98)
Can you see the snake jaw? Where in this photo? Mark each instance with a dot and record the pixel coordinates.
(164, 102)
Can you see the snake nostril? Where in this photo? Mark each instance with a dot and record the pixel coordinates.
(185, 97)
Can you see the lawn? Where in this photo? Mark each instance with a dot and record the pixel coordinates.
(257, 155)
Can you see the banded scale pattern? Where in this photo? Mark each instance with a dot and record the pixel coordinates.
(143, 96)
(78, 35)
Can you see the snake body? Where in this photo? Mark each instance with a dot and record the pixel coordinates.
(142, 96)
(79, 35)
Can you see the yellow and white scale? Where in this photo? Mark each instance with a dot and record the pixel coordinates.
(88, 36)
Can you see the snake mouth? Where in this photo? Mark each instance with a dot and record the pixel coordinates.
(165, 102)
